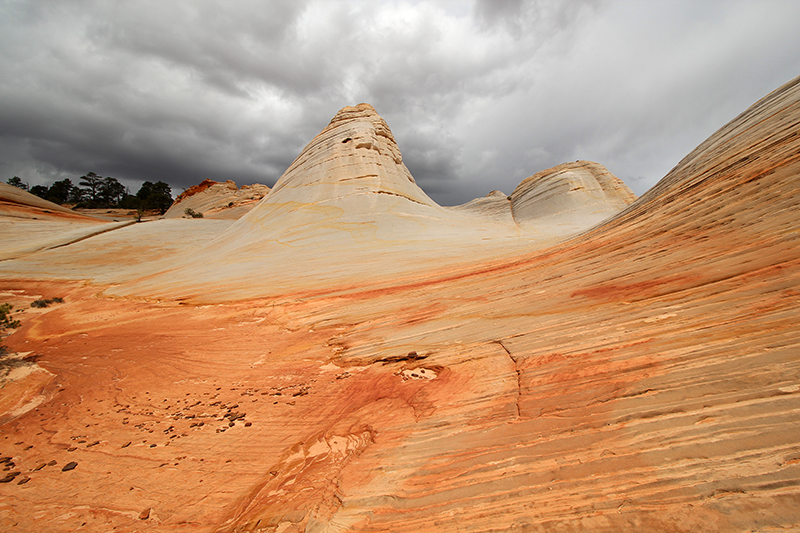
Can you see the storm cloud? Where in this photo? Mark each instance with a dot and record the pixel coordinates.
(478, 94)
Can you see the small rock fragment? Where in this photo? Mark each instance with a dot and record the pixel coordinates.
(144, 515)
(9, 477)
(23, 480)
(69, 466)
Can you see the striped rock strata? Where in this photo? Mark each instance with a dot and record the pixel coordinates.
(565, 199)
(641, 376)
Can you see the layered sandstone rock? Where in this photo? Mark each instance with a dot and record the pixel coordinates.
(217, 200)
(641, 376)
(30, 224)
(348, 209)
(578, 194)
(563, 200)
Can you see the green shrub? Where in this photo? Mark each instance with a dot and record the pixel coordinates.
(45, 303)
(192, 213)
(6, 321)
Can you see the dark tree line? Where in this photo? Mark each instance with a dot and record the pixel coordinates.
(96, 192)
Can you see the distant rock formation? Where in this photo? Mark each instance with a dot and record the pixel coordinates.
(571, 197)
(217, 200)
(582, 194)
(348, 199)
(354, 163)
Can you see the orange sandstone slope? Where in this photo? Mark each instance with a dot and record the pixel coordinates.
(642, 376)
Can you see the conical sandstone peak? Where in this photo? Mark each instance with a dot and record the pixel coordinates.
(354, 155)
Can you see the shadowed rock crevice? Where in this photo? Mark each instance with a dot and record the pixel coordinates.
(518, 376)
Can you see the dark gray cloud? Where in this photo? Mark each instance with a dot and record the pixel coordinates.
(479, 95)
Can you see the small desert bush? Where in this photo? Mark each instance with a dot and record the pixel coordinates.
(6, 322)
(192, 213)
(45, 303)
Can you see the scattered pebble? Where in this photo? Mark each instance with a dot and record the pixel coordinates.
(23, 480)
(126, 444)
(69, 466)
(144, 515)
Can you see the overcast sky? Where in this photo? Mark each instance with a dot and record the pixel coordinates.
(479, 94)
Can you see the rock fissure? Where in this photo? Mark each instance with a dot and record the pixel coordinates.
(517, 372)
(399, 195)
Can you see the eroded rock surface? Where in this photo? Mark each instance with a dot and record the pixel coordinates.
(217, 200)
(642, 376)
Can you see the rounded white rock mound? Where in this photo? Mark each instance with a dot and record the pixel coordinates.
(579, 194)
